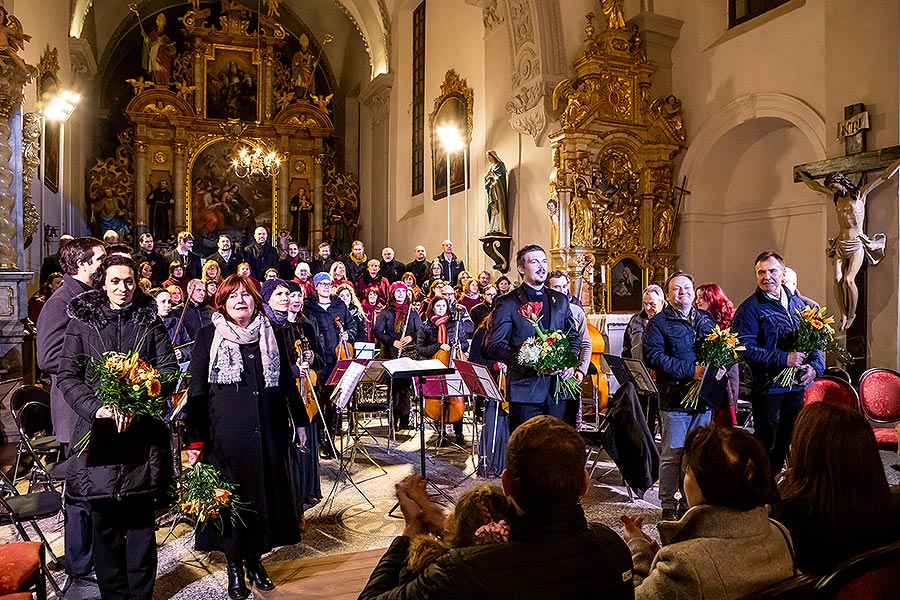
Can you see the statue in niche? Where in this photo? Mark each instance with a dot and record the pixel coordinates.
(851, 246)
(582, 217)
(495, 186)
(159, 51)
(553, 208)
(303, 69)
(110, 213)
(664, 225)
(301, 208)
(160, 201)
(612, 10)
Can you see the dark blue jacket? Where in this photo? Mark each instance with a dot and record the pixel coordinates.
(670, 349)
(767, 332)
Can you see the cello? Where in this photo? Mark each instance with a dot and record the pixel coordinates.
(600, 386)
(450, 409)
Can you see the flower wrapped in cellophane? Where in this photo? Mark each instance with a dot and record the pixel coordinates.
(814, 332)
(548, 353)
(719, 351)
(205, 497)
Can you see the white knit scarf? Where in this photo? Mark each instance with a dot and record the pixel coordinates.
(225, 362)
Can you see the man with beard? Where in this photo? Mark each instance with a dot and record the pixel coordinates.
(530, 393)
(227, 258)
(146, 253)
(356, 262)
(323, 261)
(260, 254)
(391, 269)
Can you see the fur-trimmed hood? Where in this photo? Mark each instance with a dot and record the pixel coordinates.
(92, 307)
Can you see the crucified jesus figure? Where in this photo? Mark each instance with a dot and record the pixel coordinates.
(851, 246)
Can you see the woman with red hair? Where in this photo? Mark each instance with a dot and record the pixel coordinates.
(711, 298)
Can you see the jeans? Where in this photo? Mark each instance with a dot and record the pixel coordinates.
(773, 423)
(675, 427)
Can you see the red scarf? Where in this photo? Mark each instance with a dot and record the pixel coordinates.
(401, 314)
(441, 323)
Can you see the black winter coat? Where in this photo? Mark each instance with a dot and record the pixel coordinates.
(427, 338)
(245, 432)
(196, 316)
(261, 258)
(325, 322)
(144, 447)
(384, 330)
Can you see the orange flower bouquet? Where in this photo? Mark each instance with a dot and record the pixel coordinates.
(203, 495)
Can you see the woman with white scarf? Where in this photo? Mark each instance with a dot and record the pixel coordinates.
(242, 392)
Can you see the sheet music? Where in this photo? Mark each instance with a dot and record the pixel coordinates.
(406, 364)
(344, 389)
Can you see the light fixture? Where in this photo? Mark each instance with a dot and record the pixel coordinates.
(60, 106)
(256, 162)
(452, 140)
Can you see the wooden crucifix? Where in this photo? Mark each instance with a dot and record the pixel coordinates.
(851, 248)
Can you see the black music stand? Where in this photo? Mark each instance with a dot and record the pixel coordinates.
(419, 372)
(480, 382)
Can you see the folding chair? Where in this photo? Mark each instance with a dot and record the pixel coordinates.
(38, 431)
(33, 422)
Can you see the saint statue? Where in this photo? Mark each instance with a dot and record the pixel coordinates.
(303, 69)
(612, 10)
(553, 209)
(159, 52)
(160, 201)
(495, 186)
(582, 218)
(852, 245)
(301, 208)
(110, 213)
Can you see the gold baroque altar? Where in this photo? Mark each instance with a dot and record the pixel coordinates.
(230, 88)
(611, 191)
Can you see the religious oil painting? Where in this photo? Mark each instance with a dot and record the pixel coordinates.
(232, 77)
(451, 113)
(626, 285)
(47, 87)
(223, 202)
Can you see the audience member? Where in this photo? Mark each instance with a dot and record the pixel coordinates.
(725, 547)
(481, 310)
(553, 552)
(503, 284)
(471, 295)
(39, 299)
(484, 279)
(451, 265)
(835, 499)
(435, 274)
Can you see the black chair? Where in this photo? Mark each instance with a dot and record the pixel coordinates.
(37, 429)
(798, 587)
(872, 575)
(33, 422)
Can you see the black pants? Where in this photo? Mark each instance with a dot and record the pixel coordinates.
(78, 533)
(400, 405)
(520, 412)
(773, 423)
(124, 547)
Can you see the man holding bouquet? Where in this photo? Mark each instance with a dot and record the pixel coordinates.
(766, 323)
(532, 392)
(670, 348)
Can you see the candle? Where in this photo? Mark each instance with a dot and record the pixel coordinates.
(602, 273)
(665, 273)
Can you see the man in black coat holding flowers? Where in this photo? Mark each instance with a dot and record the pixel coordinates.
(530, 393)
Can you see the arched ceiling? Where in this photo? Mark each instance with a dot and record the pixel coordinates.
(367, 19)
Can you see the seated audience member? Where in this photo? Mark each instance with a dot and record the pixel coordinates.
(471, 294)
(435, 275)
(553, 552)
(484, 280)
(725, 546)
(835, 498)
(479, 518)
(37, 301)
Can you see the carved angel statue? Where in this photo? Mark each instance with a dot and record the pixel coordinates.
(139, 85)
(612, 10)
(272, 8)
(321, 101)
(12, 40)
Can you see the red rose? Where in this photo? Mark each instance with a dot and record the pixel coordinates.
(531, 310)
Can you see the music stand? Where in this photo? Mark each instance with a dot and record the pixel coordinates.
(480, 382)
(419, 372)
(631, 370)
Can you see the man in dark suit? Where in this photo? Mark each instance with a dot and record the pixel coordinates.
(147, 253)
(530, 394)
(184, 253)
(261, 254)
(227, 257)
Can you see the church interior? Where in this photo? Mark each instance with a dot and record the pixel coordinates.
(637, 138)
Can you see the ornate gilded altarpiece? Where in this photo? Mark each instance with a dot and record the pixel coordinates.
(611, 191)
(234, 85)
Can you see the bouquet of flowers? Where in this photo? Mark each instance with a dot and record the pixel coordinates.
(719, 350)
(814, 332)
(129, 386)
(547, 352)
(203, 495)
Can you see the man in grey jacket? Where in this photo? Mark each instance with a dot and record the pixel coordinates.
(79, 259)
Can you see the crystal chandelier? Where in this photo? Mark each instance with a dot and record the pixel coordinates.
(256, 162)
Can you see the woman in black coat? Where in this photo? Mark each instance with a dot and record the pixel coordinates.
(396, 328)
(128, 464)
(237, 418)
(438, 330)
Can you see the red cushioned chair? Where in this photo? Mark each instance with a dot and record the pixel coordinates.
(22, 568)
(873, 575)
(879, 392)
(798, 587)
(833, 390)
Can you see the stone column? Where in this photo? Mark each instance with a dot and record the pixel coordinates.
(178, 188)
(140, 186)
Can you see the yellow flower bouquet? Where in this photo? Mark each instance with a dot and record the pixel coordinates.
(718, 350)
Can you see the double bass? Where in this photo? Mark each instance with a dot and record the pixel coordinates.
(452, 408)
(600, 387)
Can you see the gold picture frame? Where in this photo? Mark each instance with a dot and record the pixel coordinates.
(626, 277)
(231, 83)
(453, 106)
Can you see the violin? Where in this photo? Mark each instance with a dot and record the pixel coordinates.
(307, 384)
(450, 409)
(344, 349)
(600, 386)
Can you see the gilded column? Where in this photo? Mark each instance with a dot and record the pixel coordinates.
(140, 186)
(318, 203)
(268, 68)
(179, 188)
(282, 220)
(199, 82)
